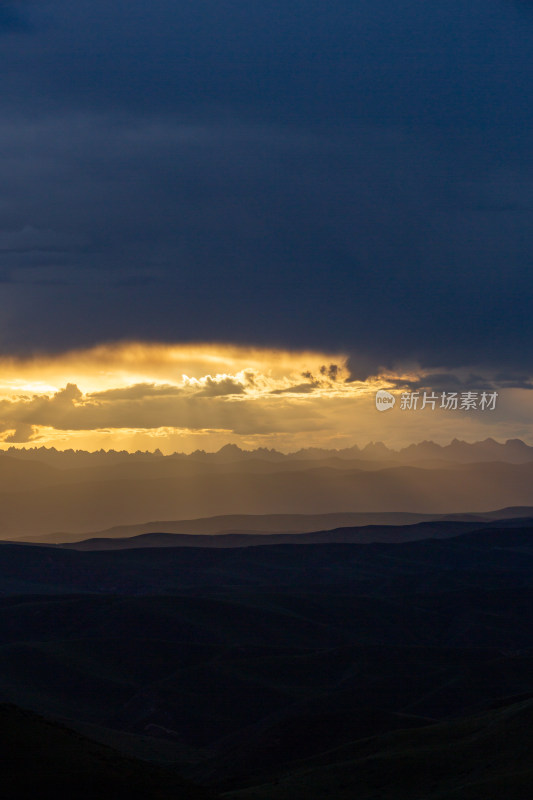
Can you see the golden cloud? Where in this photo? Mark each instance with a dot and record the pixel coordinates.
(136, 395)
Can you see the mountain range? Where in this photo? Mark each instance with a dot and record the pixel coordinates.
(68, 496)
(512, 451)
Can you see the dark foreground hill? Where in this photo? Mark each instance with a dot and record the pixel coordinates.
(476, 758)
(43, 759)
(371, 566)
(248, 667)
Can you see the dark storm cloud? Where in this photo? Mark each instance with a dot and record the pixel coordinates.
(514, 381)
(355, 175)
(443, 382)
(12, 19)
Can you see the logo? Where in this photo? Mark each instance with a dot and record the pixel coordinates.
(384, 400)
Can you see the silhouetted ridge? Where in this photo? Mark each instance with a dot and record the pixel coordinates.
(44, 759)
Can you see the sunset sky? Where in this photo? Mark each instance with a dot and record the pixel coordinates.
(148, 396)
(235, 222)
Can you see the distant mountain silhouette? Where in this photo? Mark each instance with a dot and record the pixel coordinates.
(45, 499)
(512, 451)
(440, 529)
(241, 530)
(272, 524)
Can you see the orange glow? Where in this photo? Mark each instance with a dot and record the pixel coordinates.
(135, 395)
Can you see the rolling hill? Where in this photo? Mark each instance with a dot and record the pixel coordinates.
(42, 758)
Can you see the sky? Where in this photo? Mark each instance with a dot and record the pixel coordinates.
(295, 184)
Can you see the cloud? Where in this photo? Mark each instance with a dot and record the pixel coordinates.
(23, 434)
(299, 388)
(137, 392)
(149, 191)
(513, 380)
(146, 367)
(213, 387)
(330, 371)
(171, 396)
(69, 410)
(12, 19)
(170, 257)
(197, 387)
